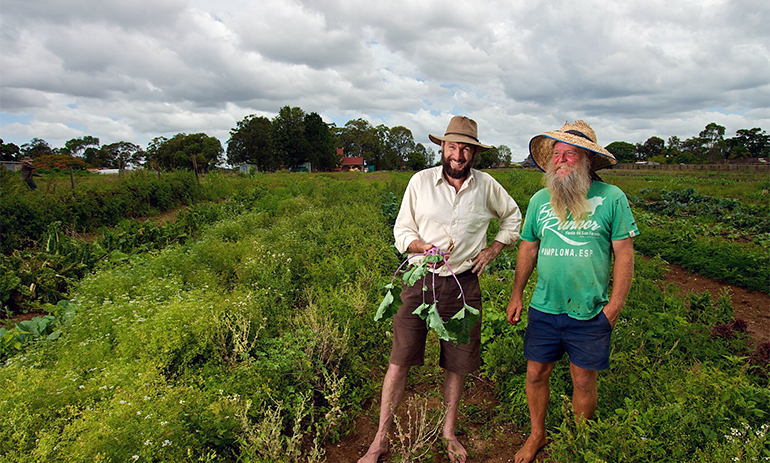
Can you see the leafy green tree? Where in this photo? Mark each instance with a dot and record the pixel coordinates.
(713, 141)
(152, 154)
(321, 151)
(356, 137)
(712, 135)
(178, 152)
(9, 151)
(505, 155)
(623, 151)
(652, 147)
(77, 146)
(35, 148)
(289, 136)
(756, 141)
(251, 142)
(419, 158)
(359, 138)
(122, 154)
(401, 141)
(673, 148)
(384, 155)
(431, 157)
(487, 159)
(416, 161)
(674, 143)
(736, 149)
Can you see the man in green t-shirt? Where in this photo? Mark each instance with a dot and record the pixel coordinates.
(572, 229)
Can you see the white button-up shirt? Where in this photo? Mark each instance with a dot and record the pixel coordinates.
(433, 212)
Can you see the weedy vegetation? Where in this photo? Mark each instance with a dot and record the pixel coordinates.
(244, 331)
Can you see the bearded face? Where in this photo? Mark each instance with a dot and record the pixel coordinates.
(568, 179)
(457, 159)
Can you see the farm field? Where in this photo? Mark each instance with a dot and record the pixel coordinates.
(243, 330)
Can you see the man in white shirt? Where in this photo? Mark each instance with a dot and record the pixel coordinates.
(446, 206)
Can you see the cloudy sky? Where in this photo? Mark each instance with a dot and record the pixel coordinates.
(131, 70)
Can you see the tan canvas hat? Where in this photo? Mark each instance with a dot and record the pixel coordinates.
(461, 130)
(577, 134)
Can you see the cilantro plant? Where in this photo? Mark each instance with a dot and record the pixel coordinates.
(458, 328)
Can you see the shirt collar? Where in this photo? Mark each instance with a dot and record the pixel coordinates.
(438, 177)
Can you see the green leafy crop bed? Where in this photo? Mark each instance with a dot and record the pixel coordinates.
(249, 335)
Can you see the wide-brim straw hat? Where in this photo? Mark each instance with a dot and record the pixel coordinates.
(461, 130)
(577, 134)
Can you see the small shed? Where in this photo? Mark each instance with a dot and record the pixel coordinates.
(355, 164)
(246, 168)
(13, 166)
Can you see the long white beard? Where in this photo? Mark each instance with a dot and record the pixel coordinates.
(570, 193)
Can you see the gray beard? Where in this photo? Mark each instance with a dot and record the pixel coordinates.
(570, 194)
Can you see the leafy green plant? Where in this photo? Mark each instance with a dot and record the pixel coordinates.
(458, 328)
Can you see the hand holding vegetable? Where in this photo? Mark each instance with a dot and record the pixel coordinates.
(457, 328)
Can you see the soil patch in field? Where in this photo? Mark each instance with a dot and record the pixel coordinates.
(486, 441)
(751, 306)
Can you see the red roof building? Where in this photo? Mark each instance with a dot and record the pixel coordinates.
(355, 164)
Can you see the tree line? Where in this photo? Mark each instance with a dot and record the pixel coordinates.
(709, 146)
(294, 137)
(288, 141)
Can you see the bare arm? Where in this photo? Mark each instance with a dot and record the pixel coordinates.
(622, 274)
(525, 264)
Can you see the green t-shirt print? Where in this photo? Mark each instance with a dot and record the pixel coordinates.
(573, 263)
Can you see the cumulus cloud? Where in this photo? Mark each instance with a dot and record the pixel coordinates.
(133, 70)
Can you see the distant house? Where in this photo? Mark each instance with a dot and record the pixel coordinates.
(245, 168)
(13, 166)
(528, 162)
(355, 164)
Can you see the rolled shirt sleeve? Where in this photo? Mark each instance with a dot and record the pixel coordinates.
(405, 229)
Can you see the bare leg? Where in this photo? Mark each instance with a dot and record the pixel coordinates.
(392, 390)
(538, 393)
(453, 391)
(585, 395)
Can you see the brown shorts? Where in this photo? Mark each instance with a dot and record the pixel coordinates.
(410, 331)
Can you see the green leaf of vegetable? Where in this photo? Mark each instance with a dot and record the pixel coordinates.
(421, 310)
(416, 272)
(434, 321)
(385, 310)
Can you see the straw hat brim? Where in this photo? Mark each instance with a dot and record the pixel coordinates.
(459, 138)
(541, 149)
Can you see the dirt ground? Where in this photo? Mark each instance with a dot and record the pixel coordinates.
(500, 444)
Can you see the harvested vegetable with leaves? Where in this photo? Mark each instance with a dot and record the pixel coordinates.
(458, 328)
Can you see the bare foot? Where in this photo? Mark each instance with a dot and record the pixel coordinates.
(376, 450)
(456, 451)
(527, 452)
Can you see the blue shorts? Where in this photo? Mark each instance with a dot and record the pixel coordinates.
(587, 342)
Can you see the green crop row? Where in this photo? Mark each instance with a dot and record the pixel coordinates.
(680, 242)
(749, 219)
(25, 216)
